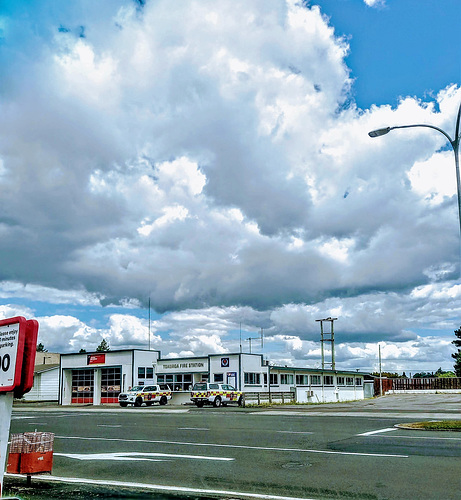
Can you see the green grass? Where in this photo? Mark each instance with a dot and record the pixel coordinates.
(441, 425)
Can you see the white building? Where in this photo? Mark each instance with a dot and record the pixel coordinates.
(46, 384)
(98, 378)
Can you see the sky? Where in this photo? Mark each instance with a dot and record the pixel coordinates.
(212, 159)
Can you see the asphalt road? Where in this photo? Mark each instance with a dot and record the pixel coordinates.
(349, 450)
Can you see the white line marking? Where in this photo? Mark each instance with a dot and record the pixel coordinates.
(388, 429)
(158, 487)
(262, 448)
(295, 432)
(107, 425)
(193, 429)
(139, 456)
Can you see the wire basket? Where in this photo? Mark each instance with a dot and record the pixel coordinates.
(32, 442)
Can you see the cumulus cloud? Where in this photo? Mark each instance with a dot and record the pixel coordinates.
(148, 151)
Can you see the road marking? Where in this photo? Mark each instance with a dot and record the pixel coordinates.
(107, 425)
(236, 446)
(388, 429)
(193, 429)
(133, 455)
(159, 487)
(295, 432)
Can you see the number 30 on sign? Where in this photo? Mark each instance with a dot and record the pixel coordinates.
(12, 338)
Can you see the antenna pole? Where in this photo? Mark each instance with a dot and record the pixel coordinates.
(149, 322)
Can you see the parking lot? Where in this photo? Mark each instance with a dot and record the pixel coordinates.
(346, 450)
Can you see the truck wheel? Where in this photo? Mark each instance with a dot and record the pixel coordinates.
(241, 401)
(217, 402)
(163, 400)
(123, 405)
(199, 404)
(138, 402)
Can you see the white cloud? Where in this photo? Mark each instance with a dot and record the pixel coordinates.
(375, 3)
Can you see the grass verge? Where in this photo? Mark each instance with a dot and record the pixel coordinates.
(440, 425)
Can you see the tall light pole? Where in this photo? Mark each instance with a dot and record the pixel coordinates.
(454, 144)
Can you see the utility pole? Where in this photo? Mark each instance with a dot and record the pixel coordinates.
(327, 337)
(380, 376)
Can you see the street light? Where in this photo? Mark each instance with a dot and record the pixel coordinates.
(454, 144)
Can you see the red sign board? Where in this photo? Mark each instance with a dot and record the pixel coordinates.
(28, 364)
(12, 338)
(95, 359)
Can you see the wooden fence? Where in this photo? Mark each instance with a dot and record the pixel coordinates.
(415, 384)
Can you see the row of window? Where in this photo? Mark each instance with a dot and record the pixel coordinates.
(288, 379)
(182, 382)
(179, 382)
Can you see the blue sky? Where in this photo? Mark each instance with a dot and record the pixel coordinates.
(149, 152)
(401, 48)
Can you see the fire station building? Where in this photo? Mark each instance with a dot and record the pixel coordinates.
(98, 378)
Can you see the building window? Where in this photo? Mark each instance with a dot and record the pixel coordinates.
(349, 380)
(252, 378)
(141, 372)
(340, 380)
(265, 378)
(328, 379)
(316, 380)
(286, 378)
(358, 381)
(274, 379)
(149, 372)
(218, 377)
(302, 379)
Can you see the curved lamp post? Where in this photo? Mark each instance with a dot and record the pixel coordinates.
(454, 144)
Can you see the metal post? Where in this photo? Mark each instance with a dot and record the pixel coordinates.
(332, 345)
(380, 377)
(321, 343)
(6, 407)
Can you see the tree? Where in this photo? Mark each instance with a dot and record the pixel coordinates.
(82, 350)
(103, 346)
(41, 348)
(457, 355)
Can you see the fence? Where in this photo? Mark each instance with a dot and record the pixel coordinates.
(415, 384)
(269, 397)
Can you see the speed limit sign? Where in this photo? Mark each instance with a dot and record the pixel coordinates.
(12, 336)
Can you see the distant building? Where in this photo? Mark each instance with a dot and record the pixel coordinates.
(47, 358)
(46, 383)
